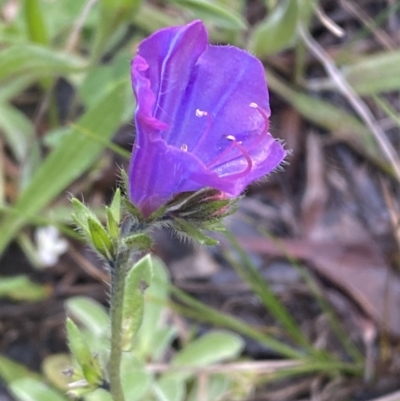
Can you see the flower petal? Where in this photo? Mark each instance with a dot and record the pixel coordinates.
(201, 118)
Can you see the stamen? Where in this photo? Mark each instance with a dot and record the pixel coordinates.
(201, 113)
(244, 152)
(263, 114)
(184, 147)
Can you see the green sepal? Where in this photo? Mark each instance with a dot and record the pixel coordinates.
(79, 347)
(100, 239)
(157, 214)
(191, 231)
(206, 210)
(115, 206)
(81, 215)
(93, 372)
(139, 241)
(137, 280)
(187, 199)
(124, 182)
(131, 209)
(112, 225)
(214, 225)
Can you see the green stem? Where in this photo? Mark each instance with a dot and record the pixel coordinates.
(117, 300)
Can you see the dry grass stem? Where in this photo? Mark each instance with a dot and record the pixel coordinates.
(328, 23)
(80, 22)
(380, 35)
(359, 106)
(253, 366)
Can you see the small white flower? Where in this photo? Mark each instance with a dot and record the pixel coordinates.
(49, 245)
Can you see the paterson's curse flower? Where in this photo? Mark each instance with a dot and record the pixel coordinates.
(201, 118)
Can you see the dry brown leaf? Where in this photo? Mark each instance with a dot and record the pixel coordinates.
(358, 269)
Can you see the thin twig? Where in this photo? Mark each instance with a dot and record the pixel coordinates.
(360, 107)
(73, 37)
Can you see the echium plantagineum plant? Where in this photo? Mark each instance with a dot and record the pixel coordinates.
(202, 123)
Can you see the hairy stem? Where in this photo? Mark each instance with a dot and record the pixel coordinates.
(117, 300)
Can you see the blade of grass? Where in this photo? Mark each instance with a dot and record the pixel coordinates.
(388, 109)
(41, 221)
(201, 312)
(357, 103)
(75, 154)
(249, 273)
(31, 60)
(337, 328)
(104, 141)
(37, 29)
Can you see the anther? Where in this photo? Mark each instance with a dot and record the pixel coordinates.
(184, 147)
(230, 137)
(201, 113)
(253, 105)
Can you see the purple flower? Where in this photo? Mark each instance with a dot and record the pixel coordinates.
(201, 118)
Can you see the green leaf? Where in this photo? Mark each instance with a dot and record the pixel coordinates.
(137, 280)
(170, 389)
(217, 386)
(150, 18)
(21, 288)
(213, 347)
(75, 154)
(18, 130)
(214, 12)
(10, 89)
(10, 370)
(148, 337)
(37, 28)
(136, 381)
(89, 313)
(30, 389)
(277, 31)
(376, 73)
(98, 395)
(36, 61)
(112, 13)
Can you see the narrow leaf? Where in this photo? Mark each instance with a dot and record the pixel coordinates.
(30, 389)
(36, 61)
(137, 280)
(89, 313)
(35, 22)
(212, 11)
(75, 154)
(277, 31)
